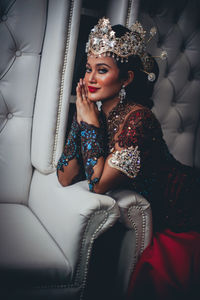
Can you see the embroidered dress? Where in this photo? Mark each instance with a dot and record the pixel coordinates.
(93, 147)
(162, 180)
(169, 268)
(172, 188)
(72, 146)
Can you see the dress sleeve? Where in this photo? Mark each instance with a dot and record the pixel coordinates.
(92, 147)
(135, 143)
(72, 147)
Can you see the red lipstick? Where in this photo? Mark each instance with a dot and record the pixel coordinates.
(92, 89)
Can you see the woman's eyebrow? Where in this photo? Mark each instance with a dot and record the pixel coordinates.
(100, 64)
(103, 64)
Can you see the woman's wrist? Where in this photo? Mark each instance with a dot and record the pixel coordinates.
(93, 121)
(87, 126)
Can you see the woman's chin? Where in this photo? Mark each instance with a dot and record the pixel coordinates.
(93, 98)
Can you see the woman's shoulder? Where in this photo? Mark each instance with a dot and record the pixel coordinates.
(138, 112)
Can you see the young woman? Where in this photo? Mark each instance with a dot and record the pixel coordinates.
(122, 145)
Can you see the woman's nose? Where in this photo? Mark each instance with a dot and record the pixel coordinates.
(92, 77)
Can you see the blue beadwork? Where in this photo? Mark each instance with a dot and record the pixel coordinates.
(92, 147)
(92, 183)
(72, 146)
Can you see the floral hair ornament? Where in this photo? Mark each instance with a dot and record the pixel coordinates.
(103, 42)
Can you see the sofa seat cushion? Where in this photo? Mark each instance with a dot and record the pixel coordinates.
(29, 257)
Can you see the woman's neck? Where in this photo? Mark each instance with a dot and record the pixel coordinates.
(108, 105)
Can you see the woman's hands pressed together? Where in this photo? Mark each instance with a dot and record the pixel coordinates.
(86, 110)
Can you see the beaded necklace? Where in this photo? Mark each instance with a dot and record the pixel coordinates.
(116, 117)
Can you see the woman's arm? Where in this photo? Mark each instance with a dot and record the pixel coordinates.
(106, 173)
(132, 152)
(69, 165)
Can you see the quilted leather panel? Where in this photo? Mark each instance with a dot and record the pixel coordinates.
(20, 49)
(177, 92)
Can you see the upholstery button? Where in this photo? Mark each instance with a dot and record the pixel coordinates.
(9, 116)
(4, 18)
(18, 53)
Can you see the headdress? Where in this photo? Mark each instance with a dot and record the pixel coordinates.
(102, 41)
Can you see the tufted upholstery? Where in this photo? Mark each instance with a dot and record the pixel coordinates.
(46, 231)
(20, 54)
(177, 92)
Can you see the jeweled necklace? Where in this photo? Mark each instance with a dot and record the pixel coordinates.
(116, 117)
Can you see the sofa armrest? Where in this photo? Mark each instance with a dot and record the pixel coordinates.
(135, 214)
(73, 216)
(136, 218)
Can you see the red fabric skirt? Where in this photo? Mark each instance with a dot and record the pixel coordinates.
(169, 268)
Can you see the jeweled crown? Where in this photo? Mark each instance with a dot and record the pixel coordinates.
(102, 41)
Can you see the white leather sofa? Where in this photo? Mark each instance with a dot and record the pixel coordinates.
(46, 231)
(50, 235)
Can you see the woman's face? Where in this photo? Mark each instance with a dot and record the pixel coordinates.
(102, 78)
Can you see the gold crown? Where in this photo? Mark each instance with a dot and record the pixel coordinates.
(102, 41)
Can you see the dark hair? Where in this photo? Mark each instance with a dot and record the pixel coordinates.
(140, 90)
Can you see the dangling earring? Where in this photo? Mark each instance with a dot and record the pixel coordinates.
(99, 104)
(122, 94)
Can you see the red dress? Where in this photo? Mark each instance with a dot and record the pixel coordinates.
(169, 268)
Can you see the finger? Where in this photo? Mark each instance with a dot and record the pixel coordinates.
(78, 92)
(85, 89)
(82, 90)
(81, 83)
(84, 94)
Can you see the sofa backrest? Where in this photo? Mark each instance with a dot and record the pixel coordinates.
(55, 82)
(37, 49)
(177, 93)
(21, 40)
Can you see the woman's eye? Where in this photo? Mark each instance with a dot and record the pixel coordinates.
(103, 71)
(88, 70)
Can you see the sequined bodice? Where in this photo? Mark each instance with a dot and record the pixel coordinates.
(141, 129)
(115, 118)
(164, 181)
